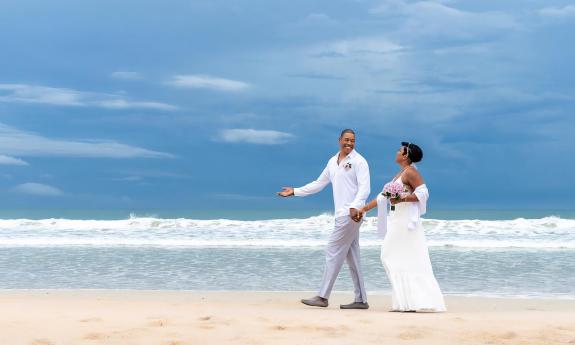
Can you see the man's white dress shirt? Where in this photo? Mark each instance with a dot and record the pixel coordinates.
(350, 182)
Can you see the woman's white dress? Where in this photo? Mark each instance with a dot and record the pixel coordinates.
(405, 257)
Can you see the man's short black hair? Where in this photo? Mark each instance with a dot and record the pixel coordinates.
(347, 130)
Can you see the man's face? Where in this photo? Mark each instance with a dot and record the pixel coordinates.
(347, 143)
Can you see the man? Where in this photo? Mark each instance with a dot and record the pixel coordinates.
(349, 174)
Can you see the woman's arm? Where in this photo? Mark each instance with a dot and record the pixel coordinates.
(369, 206)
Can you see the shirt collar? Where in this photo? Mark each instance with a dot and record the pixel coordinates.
(350, 155)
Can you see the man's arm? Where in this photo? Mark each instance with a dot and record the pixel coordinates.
(310, 188)
(363, 184)
(315, 186)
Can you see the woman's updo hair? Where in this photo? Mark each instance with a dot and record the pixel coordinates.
(414, 152)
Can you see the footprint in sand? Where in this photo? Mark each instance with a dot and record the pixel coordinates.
(508, 335)
(212, 323)
(279, 328)
(496, 337)
(42, 342)
(91, 319)
(337, 331)
(410, 335)
(207, 327)
(95, 336)
(159, 323)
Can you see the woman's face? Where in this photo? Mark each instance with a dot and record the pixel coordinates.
(400, 155)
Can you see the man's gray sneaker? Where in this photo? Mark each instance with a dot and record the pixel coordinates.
(355, 305)
(315, 301)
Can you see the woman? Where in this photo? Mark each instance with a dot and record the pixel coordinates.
(404, 251)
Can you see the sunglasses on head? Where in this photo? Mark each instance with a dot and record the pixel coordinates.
(407, 147)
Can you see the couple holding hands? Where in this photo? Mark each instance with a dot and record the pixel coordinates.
(404, 252)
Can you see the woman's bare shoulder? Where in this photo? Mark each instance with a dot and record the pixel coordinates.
(413, 175)
(412, 171)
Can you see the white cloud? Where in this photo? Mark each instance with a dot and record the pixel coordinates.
(24, 93)
(404, 67)
(365, 63)
(565, 11)
(123, 104)
(208, 82)
(358, 46)
(124, 75)
(319, 18)
(7, 160)
(38, 189)
(20, 143)
(423, 20)
(128, 178)
(254, 136)
(41, 94)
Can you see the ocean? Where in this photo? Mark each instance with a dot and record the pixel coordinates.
(508, 253)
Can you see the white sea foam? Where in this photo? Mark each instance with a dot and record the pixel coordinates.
(543, 233)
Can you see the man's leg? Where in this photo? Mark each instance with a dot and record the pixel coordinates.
(345, 231)
(354, 263)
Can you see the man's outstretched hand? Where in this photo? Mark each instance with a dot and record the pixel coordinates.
(355, 214)
(286, 191)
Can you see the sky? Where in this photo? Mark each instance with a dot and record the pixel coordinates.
(215, 104)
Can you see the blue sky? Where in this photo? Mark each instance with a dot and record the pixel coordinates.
(218, 104)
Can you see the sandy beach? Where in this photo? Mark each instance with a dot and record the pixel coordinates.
(42, 317)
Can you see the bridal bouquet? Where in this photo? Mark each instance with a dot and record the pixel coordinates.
(392, 190)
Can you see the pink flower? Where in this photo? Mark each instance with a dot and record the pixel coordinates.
(392, 190)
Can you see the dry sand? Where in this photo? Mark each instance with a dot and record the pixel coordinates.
(40, 317)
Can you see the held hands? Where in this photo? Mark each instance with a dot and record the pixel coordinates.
(363, 211)
(355, 214)
(286, 191)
